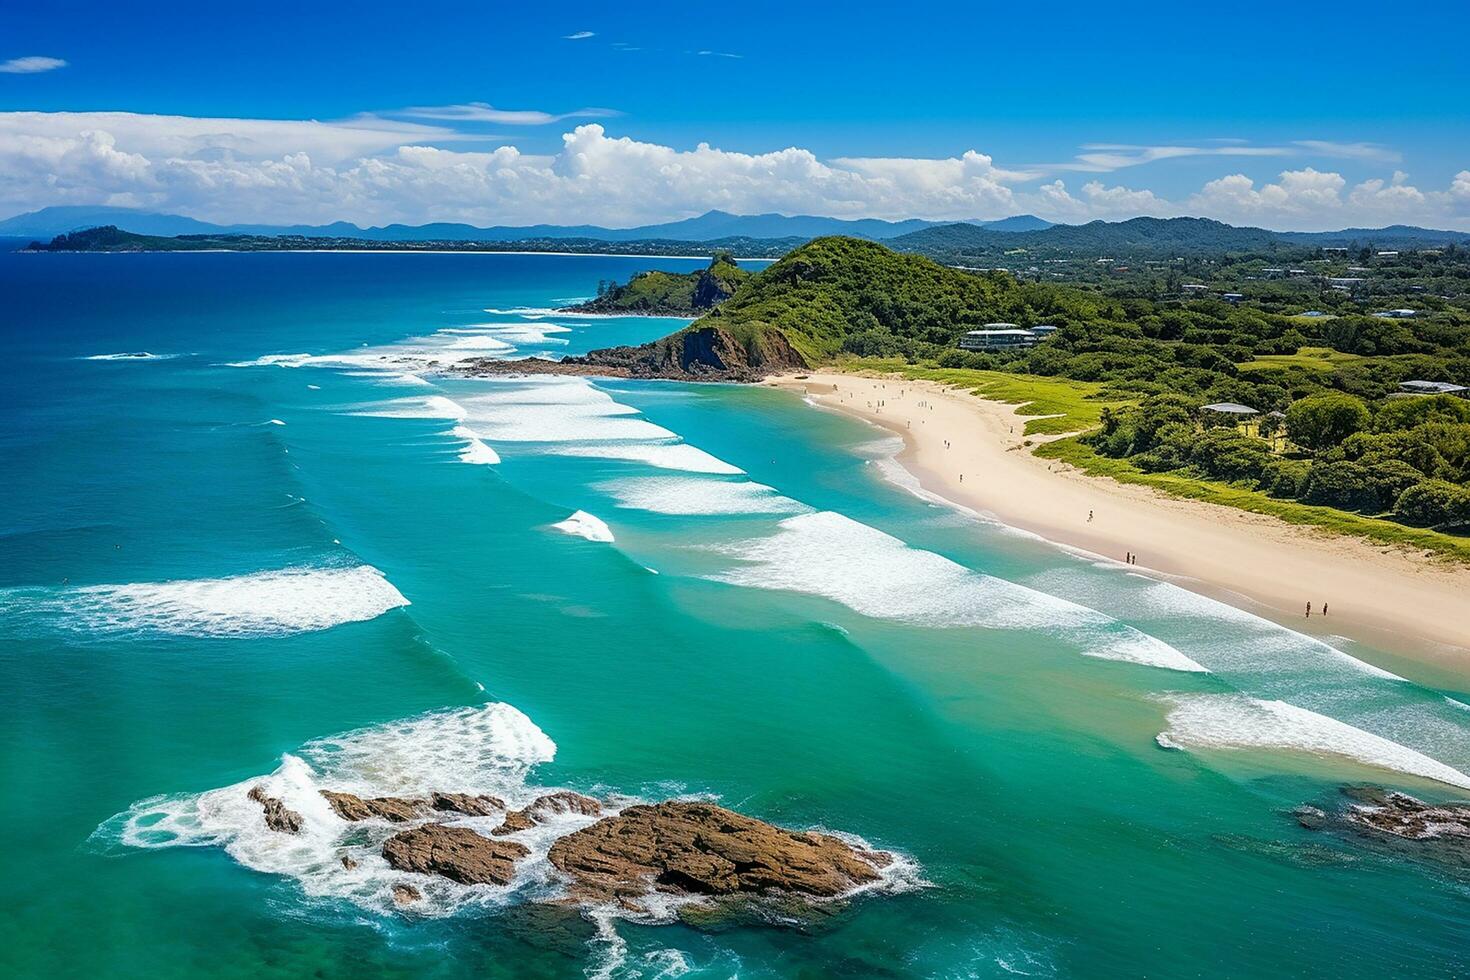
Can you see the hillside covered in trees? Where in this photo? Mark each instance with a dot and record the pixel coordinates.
(659, 293)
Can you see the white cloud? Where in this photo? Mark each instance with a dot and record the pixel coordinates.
(579, 36)
(484, 112)
(1350, 151)
(31, 65)
(1098, 201)
(374, 170)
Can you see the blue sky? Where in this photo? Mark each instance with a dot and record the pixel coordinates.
(1148, 105)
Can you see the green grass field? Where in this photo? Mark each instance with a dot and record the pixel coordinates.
(1312, 358)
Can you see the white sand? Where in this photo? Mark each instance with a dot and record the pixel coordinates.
(1384, 596)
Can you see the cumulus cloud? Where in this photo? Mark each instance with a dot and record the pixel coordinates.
(31, 65)
(370, 169)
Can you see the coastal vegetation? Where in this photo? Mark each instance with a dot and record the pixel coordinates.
(659, 293)
(1329, 439)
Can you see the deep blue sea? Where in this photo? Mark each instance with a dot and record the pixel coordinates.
(253, 532)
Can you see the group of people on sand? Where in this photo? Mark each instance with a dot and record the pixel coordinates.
(1309, 610)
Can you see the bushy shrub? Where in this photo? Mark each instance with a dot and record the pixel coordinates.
(1325, 419)
(1284, 478)
(1343, 484)
(1433, 503)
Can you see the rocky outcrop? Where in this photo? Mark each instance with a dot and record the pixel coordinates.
(406, 894)
(468, 804)
(1438, 831)
(457, 853)
(391, 808)
(277, 816)
(706, 850)
(563, 801)
(700, 353)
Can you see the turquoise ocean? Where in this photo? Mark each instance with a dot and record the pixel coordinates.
(251, 532)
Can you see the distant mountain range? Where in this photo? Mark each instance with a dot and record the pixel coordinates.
(710, 226)
(1154, 236)
(769, 235)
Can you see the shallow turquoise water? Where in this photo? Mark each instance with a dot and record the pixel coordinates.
(831, 651)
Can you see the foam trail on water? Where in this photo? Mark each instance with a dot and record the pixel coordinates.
(1232, 721)
(141, 355)
(664, 456)
(270, 603)
(585, 525)
(875, 574)
(698, 496)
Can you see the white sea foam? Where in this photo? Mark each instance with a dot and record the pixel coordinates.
(1231, 721)
(276, 422)
(698, 496)
(830, 555)
(141, 355)
(432, 407)
(559, 412)
(585, 525)
(1249, 643)
(487, 749)
(475, 450)
(665, 456)
(271, 603)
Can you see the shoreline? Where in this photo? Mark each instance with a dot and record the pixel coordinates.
(1380, 596)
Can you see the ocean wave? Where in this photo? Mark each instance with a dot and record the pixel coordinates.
(270, 603)
(830, 555)
(1232, 721)
(698, 496)
(662, 455)
(475, 450)
(432, 407)
(584, 525)
(559, 412)
(1266, 646)
(140, 355)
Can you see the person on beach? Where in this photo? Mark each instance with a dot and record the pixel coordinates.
(1089, 517)
(1309, 610)
(1324, 609)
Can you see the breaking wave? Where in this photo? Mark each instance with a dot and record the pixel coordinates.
(270, 603)
(830, 555)
(585, 525)
(698, 496)
(1232, 721)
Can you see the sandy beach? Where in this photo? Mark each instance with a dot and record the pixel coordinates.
(969, 451)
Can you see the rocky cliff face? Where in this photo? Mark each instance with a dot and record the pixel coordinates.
(709, 353)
